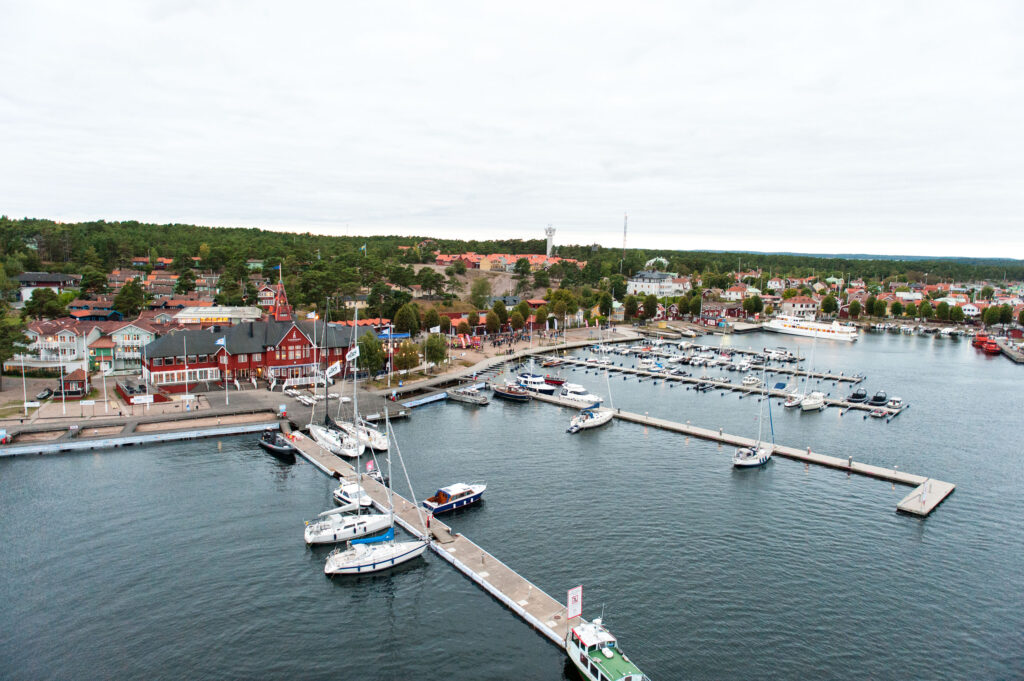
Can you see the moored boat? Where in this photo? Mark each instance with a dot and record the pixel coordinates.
(553, 362)
(553, 380)
(575, 392)
(798, 326)
(590, 418)
(372, 554)
(338, 525)
(793, 400)
(336, 442)
(277, 444)
(535, 384)
(454, 496)
(857, 396)
(878, 399)
(751, 381)
(595, 653)
(351, 493)
(468, 396)
(815, 401)
(895, 403)
(990, 347)
(510, 392)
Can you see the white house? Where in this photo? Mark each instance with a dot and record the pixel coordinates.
(910, 296)
(56, 282)
(800, 306)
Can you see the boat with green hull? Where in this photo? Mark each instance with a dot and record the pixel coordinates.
(595, 653)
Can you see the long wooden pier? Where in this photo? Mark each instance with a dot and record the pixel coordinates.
(538, 609)
(928, 493)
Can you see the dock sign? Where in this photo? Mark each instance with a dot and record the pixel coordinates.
(574, 604)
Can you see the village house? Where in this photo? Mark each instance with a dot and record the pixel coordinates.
(28, 282)
(799, 306)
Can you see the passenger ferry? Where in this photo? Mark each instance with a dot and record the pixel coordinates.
(798, 326)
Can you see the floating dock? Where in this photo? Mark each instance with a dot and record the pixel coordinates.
(927, 495)
(538, 609)
(1011, 350)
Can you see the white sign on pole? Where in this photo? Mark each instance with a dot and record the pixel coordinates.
(88, 403)
(352, 354)
(31, 405)
(142, 399)
(186, 398)
(333, 369)
(574, 604)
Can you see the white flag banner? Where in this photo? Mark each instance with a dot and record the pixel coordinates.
(574, 603)
(333, 369)
(352, 354)
(435, 329)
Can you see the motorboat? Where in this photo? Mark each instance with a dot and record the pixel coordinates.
(511, 392)
(351, 493)
(990, 347)
(536, 384)
(879, 413)
(751, 381)
(372, 554)
(590, 418)
(468, 396)
(815, 401)
(339, 524)
(336, 441)
(277, 444)
(454, 496)
(553, 380)
(647, 364)
(879, 399)
(895, 403)
(857, 396)
(578, 394)
(553, 362)
(595, 653)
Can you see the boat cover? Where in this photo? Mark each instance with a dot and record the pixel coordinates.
(387, 536)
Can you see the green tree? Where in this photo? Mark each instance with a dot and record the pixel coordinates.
(93, 281)
(695, 305)
(493, 323)
(459, 267)
(541, 314)
(956, 314)
(604, 303)
(436, 348)
(924, 310)
(431, 319)
(91, 258)
(406, 320)
(474, 319)
(1005, 314)
(516, 320)
(1020, 317)
(463, 328)
(541, 279)
(991, 315)
(130, 299)
(630, 307)
(44, 304)
(910, 309)
(446, 325)
(855, 309)
(479, 292)
(942, 310)
(522, 267)
(987, 292)
(559, 310)
(407, 356)
(617, 286)
(829, 305)
(499, 309)
(896, 308)
(523, 308)
(186, 282)
(371, 353)
(12, 340)
(650, 306)
(880, 308)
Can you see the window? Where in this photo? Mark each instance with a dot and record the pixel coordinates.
(158, 361)
(242, 358)
(256, 357)
(204, 358)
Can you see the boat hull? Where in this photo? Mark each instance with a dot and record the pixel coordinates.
(377, 558)
(504, 394)
(811, 329)
(452, 505)
(285, 453)
(748, 457)
(334, 530)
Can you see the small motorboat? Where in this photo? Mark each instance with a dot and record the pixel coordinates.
(336, 525)
(979, 340)
(749, 457)
(372, 554)
(277, 444)
(536, 384)
(813, 402)
(879, 413)
(990, 347)
(590, 418)
(858, 396)
(553, 362)
(351, 493)
(511, 392)
(895, 403)
(553, 380)
(751, 381)
(468, 396)
(454, 496)
(879, 399)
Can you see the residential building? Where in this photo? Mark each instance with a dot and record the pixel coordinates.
(55, 281)
(217, 315)
(799, 306)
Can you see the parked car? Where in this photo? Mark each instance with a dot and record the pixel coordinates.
(45, 394)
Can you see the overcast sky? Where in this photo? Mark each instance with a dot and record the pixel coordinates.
(877, 127)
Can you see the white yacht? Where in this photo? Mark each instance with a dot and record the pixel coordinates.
(372, 554)
(535, 383)
(336, 442)
(590, 418)
(338, 525)
(576, 393)
(813, 402)
(352, 493)
(793, 399)
(798, 326)
(751, 381)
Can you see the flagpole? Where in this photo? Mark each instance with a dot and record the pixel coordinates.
(24, 387)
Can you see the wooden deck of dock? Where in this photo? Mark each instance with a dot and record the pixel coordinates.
(926, 496)
(532, 604)
(1011, 350)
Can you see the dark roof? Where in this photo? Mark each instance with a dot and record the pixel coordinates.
(507, 301)
(247, 338)
(47, 278)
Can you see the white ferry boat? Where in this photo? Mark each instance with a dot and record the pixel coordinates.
(798, 326)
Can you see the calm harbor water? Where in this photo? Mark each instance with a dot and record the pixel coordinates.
(187, 560)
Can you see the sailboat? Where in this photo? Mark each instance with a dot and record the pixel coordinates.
(815, 400)
(592, 416)
(761, 452)
(373, 554)
(340, 524)
(357, 428)
(335, 441)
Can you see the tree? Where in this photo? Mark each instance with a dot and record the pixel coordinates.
(371, 353)
(855, 309)
(436, 348)
(650, 306)
(956, 314)
(91, 258)
(463, 328)
(431, 319)
(942, 310)
(446, 325)
(880, 308)
(517, 321)
(459, 267)
(474, 319)
(44, 303)
(896, 308)
(991, 315)
(93, 281)
(1020, 317)
(523, 308)
(829, 305)
(522, 267)
(493, 322)
(987, 292)
(406, 320)
(1005, 314)
(479, 292)
(541, 279)
(406, 356)
(559, 309)
(630, 307)
(695, 304)
(604, 303)
(12, 340)
(541, 314)
(924, 310)
(499, 309)
(186, 282)
(617, 286)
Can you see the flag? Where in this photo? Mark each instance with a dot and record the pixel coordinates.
(369, 466)
(435, 329)
(333, 369)
(352, 354)
(363, 248)
(311, 315)
(221, 342)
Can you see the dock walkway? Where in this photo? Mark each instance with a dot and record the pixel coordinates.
(926, 496)
(537, 608)
(1011, 350)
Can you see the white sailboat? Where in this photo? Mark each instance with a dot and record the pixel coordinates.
(761, 452)
(373, 554)
(357, 428)
(591, 416)
(340, 524)
(336, 442)
(815, 400)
